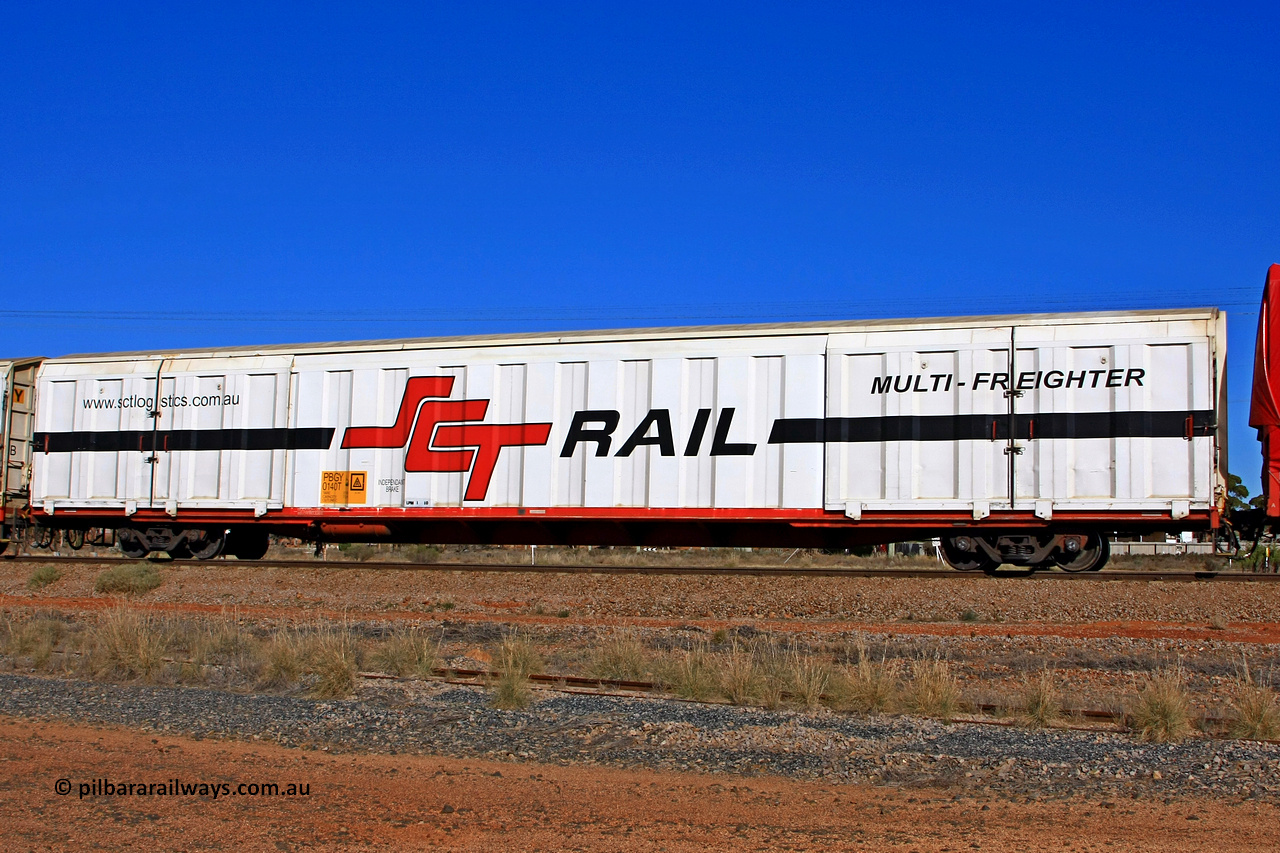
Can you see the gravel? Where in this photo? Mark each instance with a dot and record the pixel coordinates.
(660, 597)
(585, 729)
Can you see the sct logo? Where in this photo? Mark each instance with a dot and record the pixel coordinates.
(441, 434)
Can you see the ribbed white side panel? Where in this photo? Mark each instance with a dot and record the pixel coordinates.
(789, 419)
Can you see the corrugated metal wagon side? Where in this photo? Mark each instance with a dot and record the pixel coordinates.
(1016, 439)
(17, 417)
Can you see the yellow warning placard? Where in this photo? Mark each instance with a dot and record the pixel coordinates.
(344, 487)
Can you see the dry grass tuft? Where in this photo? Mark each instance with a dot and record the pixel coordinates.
(282, 659)
(516, 659)
(128, 644)
(220, 643)
(1041, 702)
(221, 640)
(511, 692)
(867, 686)
(621, 657)
(740, 677)
(932, 689)
(1257, 713)
(333, 661)
(807, 679)
(34, 638)
(1162, 713)
(405, 653)
(133, 579)
(691, 674)
(516, 653)
(774, 674)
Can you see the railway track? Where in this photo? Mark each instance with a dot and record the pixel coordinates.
(691, 571)
(989, 713)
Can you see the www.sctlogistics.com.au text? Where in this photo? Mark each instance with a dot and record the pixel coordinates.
(172, 401)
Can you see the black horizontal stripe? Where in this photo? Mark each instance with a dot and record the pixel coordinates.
(994, 427)
(110, 441)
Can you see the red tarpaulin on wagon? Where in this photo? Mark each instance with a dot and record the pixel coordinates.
(1264, 409)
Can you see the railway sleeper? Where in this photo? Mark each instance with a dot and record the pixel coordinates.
(1071, 552)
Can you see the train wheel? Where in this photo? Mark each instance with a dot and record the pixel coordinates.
(966, 559)
(209, 546)
(41, 537)
(132, 543)
(1091, 558)
(180, 552)
(75, 539)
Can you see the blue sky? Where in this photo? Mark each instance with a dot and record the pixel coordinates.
(237, 174)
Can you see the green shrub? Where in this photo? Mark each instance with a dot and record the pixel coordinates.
(357, 551)
(132, 579)
(423, 553)
(43, 576)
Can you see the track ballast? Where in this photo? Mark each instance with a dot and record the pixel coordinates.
(689, 571)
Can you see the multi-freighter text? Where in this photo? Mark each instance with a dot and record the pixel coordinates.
(1027, 380)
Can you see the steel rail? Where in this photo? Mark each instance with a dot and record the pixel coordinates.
(689, 571)
(1215, 724)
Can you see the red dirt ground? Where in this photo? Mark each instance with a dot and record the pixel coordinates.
(1259, 633)
(414, 803)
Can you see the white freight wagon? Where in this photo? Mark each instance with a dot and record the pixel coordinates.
(1016, 439)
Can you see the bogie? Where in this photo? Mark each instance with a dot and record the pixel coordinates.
(1028, 552)
(202, 544)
